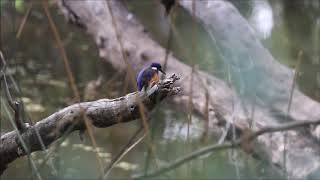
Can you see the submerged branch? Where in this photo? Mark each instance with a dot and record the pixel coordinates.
(102, 113)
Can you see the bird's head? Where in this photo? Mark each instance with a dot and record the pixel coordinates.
(157, 67)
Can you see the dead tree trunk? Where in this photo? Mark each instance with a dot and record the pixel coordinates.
(139, 48)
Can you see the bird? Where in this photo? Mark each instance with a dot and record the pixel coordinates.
(147, 77)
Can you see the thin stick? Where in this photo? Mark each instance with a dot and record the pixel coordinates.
(129, 67)
(131, 144)
(23, 144)
(24, 20)
(120, 154)
(71, 77)
(206, 117)
(130, 74)
(288, 109)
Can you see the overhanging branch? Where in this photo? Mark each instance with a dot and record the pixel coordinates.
(101, 113)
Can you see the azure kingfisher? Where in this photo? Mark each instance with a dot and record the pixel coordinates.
(148, 76)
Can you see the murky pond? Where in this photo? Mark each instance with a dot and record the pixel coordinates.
(36, 65)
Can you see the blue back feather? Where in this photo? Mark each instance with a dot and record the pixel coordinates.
(139, 79)
(145, 75)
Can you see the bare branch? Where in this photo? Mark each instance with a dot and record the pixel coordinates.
(14, 105)
(233, 144)
(102, 113)
(123, 151)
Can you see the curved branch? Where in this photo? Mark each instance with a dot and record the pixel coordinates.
(233, 144)
(101, 113)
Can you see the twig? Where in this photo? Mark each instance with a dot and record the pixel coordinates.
(131, 143)
(3, 75)
(130, 73)
(15, 105)
(234, 137)
(129, 67)
(21, 147)
(206, 116)
(192, 61)
(24, 20)
(61, 49)
(71, 77)
(228, 145)
(288, 109)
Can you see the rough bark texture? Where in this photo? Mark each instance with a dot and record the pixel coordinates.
(101, 113)
(303, 150)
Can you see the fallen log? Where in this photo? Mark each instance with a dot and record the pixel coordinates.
(139, 48)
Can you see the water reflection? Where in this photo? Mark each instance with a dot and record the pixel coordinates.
(177, 130)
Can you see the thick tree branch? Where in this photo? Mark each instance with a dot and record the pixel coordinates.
(101, 113)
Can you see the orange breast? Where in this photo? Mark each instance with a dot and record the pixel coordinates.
(155, 78)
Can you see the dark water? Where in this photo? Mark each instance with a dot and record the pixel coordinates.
(36, 65)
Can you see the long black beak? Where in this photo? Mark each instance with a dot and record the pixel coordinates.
(162, 71)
